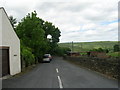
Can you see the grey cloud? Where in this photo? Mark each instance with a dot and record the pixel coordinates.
(45, 6)
(71, 16)
(73, 7)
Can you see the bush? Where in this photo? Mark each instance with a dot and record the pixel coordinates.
(116, 48)
(27, 56)
(100, 50)
(62, 50)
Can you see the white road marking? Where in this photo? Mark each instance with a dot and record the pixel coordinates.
(60, 82)
(57, 70)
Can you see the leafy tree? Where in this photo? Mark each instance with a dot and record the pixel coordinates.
(116, 48)
(55, 35)
(50, 29)
(31, 33)
(13, 21)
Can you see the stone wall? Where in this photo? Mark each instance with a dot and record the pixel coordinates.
(107, 66)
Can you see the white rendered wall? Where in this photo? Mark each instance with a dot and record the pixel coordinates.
(0, 44)
(10, 39)
(0, 27)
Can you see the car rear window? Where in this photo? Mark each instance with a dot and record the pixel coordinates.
(45, 56)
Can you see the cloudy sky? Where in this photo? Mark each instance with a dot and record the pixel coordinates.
(78, 20)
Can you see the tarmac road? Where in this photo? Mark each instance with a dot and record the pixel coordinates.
(59, 74)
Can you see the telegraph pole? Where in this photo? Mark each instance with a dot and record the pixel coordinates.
(72, 46)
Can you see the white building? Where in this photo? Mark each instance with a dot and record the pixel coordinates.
(9, 47)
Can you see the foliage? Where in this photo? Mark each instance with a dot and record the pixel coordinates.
(27, 56)
(101, 50)
(50, 29)
(33, 32)
(13, 21)
(62, 50)
(83, 53)
(116, 48)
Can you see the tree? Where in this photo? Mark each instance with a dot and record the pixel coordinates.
(50, 29)
(116, 48)
(31, 33)
(13, 21)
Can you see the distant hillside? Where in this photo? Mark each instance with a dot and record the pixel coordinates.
(86, 46)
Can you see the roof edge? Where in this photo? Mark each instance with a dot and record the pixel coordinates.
(1, 7)
(9, 20)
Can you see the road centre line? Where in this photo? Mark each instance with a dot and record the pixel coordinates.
(60, 82)
(57, 70)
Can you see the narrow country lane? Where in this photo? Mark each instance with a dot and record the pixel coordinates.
(60, 74)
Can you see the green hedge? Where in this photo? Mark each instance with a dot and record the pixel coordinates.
(27, 56)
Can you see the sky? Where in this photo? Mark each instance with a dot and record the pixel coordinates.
(78, 20)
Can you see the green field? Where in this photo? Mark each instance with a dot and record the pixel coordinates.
(114, 54)
(86, 46)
